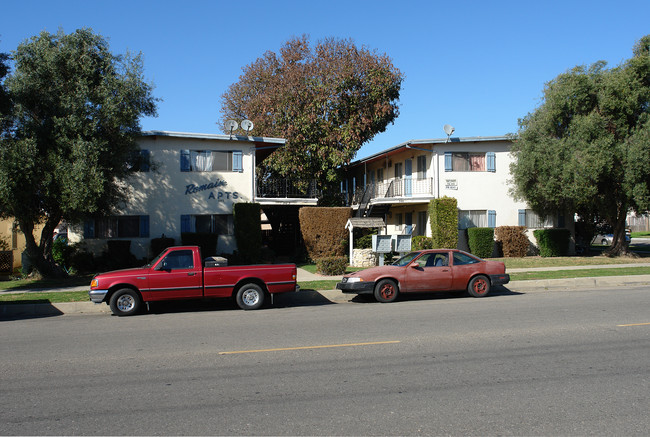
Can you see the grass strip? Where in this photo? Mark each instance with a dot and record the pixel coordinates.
(588, 273)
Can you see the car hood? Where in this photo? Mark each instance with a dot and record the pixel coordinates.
(123, 272)
(374, 272)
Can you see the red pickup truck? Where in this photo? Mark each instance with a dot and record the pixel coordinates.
(180, 273)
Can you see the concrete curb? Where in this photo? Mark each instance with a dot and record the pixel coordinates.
(336, 296)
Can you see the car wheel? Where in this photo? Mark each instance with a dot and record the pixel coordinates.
(386, 291)
(125, 302)
(479, 286)
(604, 242)
(250, 297)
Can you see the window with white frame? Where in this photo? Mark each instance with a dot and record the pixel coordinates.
(398, 170)
(470, 161)
(380, 175)
(221, 224)
(476, 219)
(421, 228)
(398, 221)
(211, 160)
(127, 226)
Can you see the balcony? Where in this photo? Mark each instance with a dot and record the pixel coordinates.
(285, 191)
(394, 188)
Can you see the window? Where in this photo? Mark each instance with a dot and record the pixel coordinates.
(211, 160)
(398, 222)
(422, 167)
(528, 218)
(461, 259)
(398, 170)
(465, 161)
(220, 224)
(421, 228)
(178, 259)
(140, 160)
(380, 175)
(128, 226)
(477, 219)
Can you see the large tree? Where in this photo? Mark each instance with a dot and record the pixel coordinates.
(586, 148)
(72, 133)
(326, 101)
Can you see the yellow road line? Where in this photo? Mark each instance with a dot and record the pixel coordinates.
(635, 324)
(308, 347)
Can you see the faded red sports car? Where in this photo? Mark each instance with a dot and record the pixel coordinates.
(427, 270)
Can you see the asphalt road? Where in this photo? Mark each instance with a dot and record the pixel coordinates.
(512, 364)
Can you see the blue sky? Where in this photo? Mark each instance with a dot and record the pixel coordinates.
(477, 65)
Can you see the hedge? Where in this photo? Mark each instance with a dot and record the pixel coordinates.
(481, 241)
(323, 230)
(553, 242)
(443, 213)
(332, 265)
(513, 240)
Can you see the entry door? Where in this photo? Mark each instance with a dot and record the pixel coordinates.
(408, 177)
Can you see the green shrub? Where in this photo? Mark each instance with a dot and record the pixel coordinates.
(364, 242)
(248, 231)
(513, 240)
(332, 265)
(62, 252)
(443, 213)
(207, 241)
(420, 242)
(553, 242)
(481, 241)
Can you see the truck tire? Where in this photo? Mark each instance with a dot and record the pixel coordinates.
(479, 286)
(250, 297)
(386, 291)
(125, 302)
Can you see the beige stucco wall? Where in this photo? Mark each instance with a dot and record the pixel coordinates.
(165, 193)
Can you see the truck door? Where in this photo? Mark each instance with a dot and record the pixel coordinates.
(175, 276)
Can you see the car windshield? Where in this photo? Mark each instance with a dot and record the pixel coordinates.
(155, 260)
(406, 259)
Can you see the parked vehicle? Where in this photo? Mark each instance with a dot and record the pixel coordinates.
(427, 271)
(180, 273)
(606, 239)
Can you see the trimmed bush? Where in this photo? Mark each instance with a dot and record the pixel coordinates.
(420, 242)
(553, 242)
(323, 231)
(364, 242)
(332, 265)
(205, 240)
(513, 240)
(248, 231)
(443, 213)
(481, 241)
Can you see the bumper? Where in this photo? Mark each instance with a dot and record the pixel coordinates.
(97, 296)
(499, 279)
(361, 287)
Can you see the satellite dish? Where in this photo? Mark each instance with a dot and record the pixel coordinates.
(448, 129)
(231, 125)
(247, 125)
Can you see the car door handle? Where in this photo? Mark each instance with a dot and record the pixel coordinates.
(191, 274)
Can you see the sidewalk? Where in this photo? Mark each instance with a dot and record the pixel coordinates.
(336, 296)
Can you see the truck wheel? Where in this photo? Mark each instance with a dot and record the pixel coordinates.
(250, 297)
(479, 286)
(386, 291)
(125, 302)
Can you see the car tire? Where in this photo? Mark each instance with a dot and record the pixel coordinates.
(386, 291)
(604, 242)
(125, 302)
(479, 286)
(250, 297)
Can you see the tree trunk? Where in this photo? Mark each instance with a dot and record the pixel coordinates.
(619, 246)
(41, 255)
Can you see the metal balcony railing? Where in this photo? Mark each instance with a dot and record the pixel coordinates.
(286, 188)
